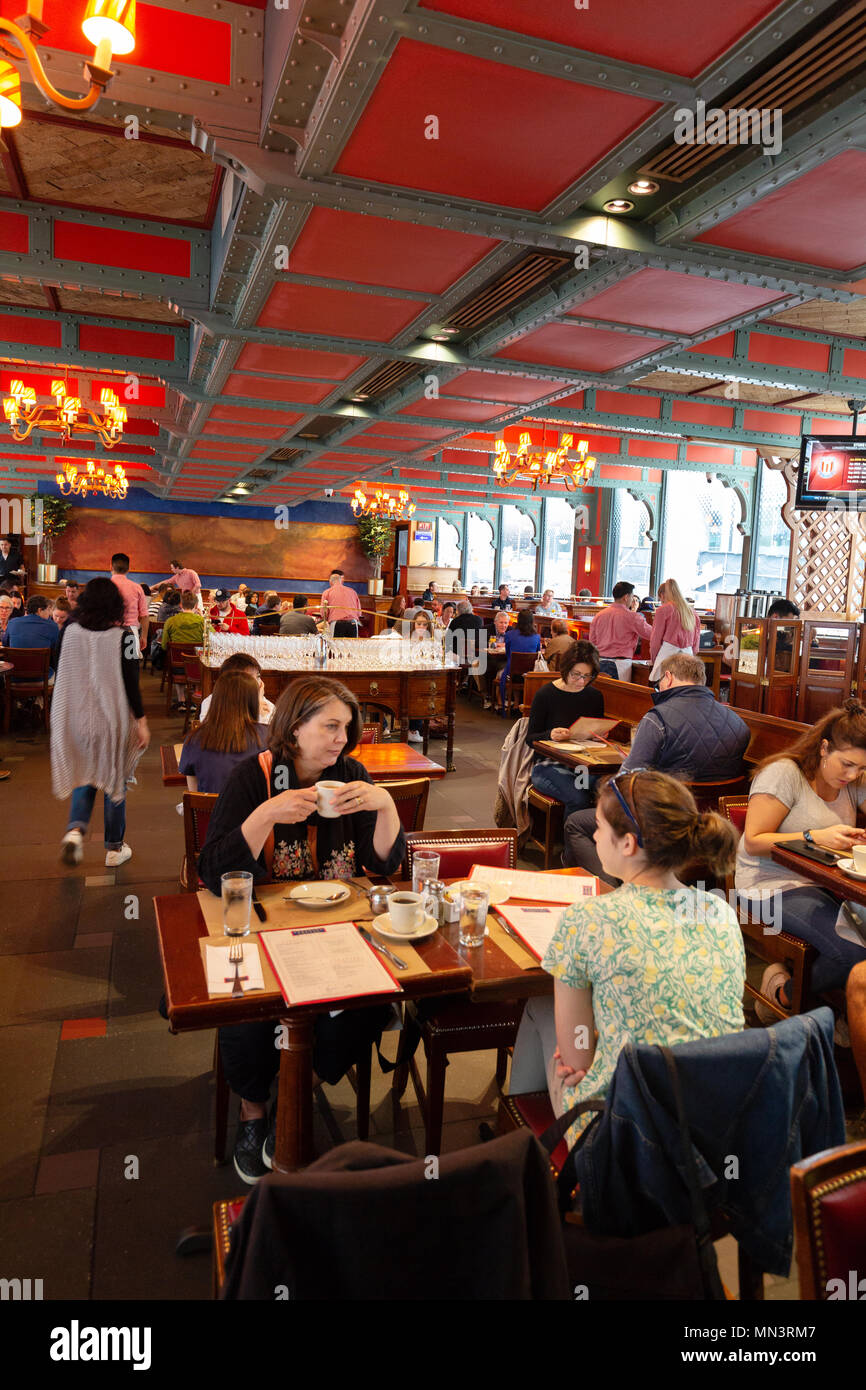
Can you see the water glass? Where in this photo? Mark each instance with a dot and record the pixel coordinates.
(425, 868)
(237, 891)
(473, 916)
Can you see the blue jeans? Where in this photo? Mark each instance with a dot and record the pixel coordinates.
(810, 914)
(558, 782)
(81, 809)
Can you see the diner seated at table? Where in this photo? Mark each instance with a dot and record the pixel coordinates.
(558, 644)
(186, 624)
(812, 792)
(688, 733)
(169, 605)
(549, 608)
(6, 611)
(61, 611)
(226, 617)
(296, 621)
(555, 707)
(653, 962)
(266, 822)
(266, 622)
(228, 733)
(240, 661)
(35, 629)
(522, 638)
(494, 657)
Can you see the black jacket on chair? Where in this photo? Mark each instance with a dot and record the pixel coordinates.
(365, 1223)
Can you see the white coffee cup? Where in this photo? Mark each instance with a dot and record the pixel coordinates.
(407, 910)
(325, 793)
(858, 853)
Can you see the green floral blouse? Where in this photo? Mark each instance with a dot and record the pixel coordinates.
(664, 967)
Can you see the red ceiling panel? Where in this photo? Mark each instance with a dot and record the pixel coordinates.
(725, 346)
(14, 233)
(789, 352)
(454, 409)
(616, 403)
(165, 40)
(41, 384)
(126, 342)
(262, 357)
(248, 431)
(488, 386)
(374, 251)
(853, 362)
(310, 309)
(580, 349)
(389, 427)
(505, 136)
(157, 255)
(671, 301)
(708, 453)
(793, 222)
(261, 388)
(16, 328)
(229, 453)
(652, 449)
(147, 394)
(771, 422)
(663, 35)
(698, 413)
(240, 413)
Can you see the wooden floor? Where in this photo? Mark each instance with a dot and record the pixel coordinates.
(93, 1078)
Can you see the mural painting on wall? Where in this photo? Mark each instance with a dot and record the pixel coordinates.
(210, 544)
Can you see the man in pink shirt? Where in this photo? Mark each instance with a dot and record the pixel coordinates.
(183, 578)
(616, 630)
(339, 601)
(134, 602)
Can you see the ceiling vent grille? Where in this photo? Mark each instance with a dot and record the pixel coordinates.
(506, 290)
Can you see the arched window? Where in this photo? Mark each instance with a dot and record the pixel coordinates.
(481, 560)
(558, 554)
(703, 548)
(518, 550)
(634, 548)
(772, 536)
(447, 545)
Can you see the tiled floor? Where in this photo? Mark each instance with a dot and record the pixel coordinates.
(107, 1117)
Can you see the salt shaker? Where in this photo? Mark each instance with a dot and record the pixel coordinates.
(435, 890)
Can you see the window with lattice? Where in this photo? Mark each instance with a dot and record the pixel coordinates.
(772, 537)
(703, 549)
(634, 548)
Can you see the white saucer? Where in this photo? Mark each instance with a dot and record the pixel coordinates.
(847, 867)
(382, 924)
(315, 894)
(496, 892)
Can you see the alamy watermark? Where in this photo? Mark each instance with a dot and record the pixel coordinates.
(735, 125)
(711, 908)
(21, 516)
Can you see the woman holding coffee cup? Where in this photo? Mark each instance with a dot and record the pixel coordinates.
(300, 810)
(813, 793)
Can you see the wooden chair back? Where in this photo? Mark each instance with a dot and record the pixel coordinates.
(30, 668)
(458, 850)
(411, 801)
(828, 1196)
(197, 811)
(371, 733)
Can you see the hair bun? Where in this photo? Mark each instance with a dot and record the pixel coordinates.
(854, 706)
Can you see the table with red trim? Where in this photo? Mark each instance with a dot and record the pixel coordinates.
(485, 972)
(385, 762)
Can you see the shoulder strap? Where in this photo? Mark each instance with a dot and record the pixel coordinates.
(266, 762)
(567, 1179)
(700, 1219)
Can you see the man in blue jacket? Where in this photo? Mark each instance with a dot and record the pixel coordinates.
(687, 734)
(34, 629)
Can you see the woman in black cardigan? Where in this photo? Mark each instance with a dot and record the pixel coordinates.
(266, 822)
(554, 709)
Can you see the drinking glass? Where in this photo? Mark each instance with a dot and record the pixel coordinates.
(237, 891)
(425, 867)
(473, 916)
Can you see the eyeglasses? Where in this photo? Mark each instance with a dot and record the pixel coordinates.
(622, 801)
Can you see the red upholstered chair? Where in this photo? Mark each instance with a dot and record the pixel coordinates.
(411, 801)
(371, 733)
(455, 1025)
(788, 950)
(521, 662)
(174, 670)
(828, 1194)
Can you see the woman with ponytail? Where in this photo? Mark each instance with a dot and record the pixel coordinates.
(651, 962)
(812, 792)
(676, 627)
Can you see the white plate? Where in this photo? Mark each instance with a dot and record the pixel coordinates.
(847, 867)
(497, 892)
(315, 894)
(382, 924)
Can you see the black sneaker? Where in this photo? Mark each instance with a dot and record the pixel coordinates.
(271, 1140)
(248, 1150)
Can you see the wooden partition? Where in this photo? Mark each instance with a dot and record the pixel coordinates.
(783, 652)
(748, 671)
(827, 660)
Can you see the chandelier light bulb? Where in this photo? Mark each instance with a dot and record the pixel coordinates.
(10, 96)
(112, 21)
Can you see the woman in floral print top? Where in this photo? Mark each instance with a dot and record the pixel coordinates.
(266, 820)
(651, 962)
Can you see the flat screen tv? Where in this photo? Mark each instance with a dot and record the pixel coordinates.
(832, 474)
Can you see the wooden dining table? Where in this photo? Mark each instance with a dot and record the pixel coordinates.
(828, 876)
(491, 972)
(604, 757)
(385, 762)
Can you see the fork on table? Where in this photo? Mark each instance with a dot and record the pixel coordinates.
(236, 955)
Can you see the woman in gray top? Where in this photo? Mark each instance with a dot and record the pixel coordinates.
(812, 792)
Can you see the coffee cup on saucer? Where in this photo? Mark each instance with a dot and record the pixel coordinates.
(858, 854)
(407, 911)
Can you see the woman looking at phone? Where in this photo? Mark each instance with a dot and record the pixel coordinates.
(266, 822)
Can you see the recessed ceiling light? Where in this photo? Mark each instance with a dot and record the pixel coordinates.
(642, 187)
(439, 333)
(618, 205)
(359, 396)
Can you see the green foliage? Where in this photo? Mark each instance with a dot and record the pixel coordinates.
(56, 514)
(374, 534)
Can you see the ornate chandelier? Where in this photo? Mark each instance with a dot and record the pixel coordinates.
(96, 480)
(543, 466)
(65, 417)
(383, 503)
(108, 24)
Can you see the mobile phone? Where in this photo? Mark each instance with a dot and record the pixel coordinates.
(821, 856)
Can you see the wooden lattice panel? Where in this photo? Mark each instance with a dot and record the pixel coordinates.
(821, 565)
(122, 306)
(753, 391)
(821, 316)
(86, 168)
(13, 293)
(671, 381)
(825, 405)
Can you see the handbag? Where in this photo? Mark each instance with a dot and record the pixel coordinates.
(674, 1262)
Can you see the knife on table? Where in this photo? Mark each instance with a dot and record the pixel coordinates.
(259, 910)
(383, 950)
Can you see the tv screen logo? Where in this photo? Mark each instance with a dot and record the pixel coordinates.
(827, 471)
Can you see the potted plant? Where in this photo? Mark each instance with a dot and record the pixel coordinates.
(374, 534)
(56, 516)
